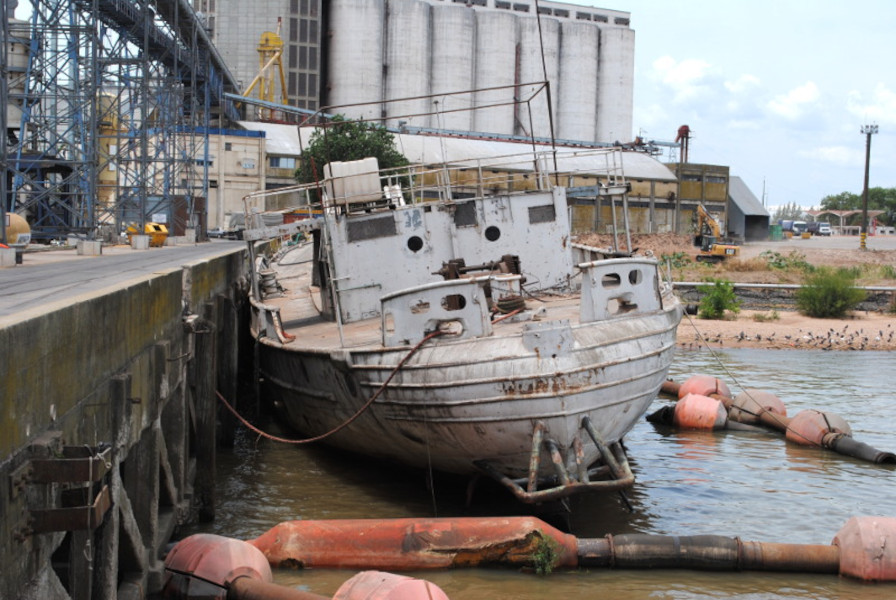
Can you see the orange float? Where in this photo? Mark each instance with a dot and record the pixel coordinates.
(695, 411)
(705, 385)
(868, 548)
(810, 427)
(751, 403)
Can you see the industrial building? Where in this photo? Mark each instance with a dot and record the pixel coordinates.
(346, 52)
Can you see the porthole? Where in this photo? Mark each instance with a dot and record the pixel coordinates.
(415, 243)
(492, 233)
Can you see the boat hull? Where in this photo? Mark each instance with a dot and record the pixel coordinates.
(457, 403)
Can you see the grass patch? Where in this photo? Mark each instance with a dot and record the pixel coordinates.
(766, 317)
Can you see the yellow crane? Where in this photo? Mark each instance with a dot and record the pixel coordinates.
(270, 59)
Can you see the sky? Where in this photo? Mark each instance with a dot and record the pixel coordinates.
(777, 90)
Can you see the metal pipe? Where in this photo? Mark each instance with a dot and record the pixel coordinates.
(409, 544)
(705, 552)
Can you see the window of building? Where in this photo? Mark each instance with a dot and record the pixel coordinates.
(294, 6)
(521, 7)
(544, 10)
(282, 162)
(312, 84)
(600, 18)
(500, 4)
(228, 146)
(303, 84)
(583, 16)
(291, 84)
(559, 12)
(621, 21)
(312, 31)
(293, 30)
(303, 31)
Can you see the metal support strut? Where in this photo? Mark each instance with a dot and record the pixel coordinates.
(565, 484)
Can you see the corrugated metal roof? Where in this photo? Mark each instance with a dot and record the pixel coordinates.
(432, 150)
(745, 199)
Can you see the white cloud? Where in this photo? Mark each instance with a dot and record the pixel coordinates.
(742, 84)
(880, 108)
(793, 104)
(685, 78)
(838, 155)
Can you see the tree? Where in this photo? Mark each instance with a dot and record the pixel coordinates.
(842, 201)
(344, 140)
(788, 212)
(878, 199)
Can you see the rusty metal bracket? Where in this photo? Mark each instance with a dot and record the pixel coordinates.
(77, 464)
(19, 479)
(73, 518)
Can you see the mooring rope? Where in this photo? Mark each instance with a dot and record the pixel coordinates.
(346, 423)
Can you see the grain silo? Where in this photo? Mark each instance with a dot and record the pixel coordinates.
(577, 96)
(616, 65)
(495, 66)
(533, 70)
(407, 62)
(356, 46)
(453, 49)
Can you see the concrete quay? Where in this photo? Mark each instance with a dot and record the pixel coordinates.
(108, 418)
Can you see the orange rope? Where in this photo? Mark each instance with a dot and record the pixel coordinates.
(342, 425)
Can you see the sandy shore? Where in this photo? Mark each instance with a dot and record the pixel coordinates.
(791, 330)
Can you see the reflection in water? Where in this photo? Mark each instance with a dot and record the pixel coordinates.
(752, 485)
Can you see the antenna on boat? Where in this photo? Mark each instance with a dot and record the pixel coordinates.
(544, 70)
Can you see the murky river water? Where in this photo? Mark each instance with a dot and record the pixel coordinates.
(755, 486)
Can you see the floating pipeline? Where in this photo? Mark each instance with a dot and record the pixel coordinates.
(705, 402)
(864, 548)
(213, 567)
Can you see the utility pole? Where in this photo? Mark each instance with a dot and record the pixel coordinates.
(867, 131)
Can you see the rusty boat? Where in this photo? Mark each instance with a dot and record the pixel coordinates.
(444, 318)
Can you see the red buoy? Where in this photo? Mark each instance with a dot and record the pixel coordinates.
(705, 385)
(751, 403)
(868, 548)
(204, 565)
(696, 411)
(377, 585)
(809, 427)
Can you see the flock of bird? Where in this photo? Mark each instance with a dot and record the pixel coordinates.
(831, 339)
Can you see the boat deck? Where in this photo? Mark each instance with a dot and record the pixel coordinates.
(300, 310)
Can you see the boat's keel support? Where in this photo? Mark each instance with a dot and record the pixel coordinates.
(564, 483)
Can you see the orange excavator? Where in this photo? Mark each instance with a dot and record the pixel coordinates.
(709, 239)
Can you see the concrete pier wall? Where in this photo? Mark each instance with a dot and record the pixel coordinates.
(108, 428)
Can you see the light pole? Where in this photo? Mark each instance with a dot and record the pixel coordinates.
(867, 131)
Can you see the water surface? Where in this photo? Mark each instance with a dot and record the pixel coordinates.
(752, 485)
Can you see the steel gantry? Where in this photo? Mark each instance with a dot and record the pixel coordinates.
(108, 108)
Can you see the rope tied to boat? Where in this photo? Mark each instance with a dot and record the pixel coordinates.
(345, 423)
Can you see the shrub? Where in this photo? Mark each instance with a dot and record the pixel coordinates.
(717, 299)
(677, 260)
(828, 293)
(794, 260)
